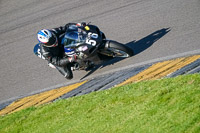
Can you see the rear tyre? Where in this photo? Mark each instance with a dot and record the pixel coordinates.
(120, 50)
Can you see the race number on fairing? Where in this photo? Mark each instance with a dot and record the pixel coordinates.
(90, 41)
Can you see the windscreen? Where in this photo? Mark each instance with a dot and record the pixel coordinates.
(74, 38)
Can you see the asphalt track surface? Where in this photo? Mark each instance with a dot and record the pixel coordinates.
(154, 29)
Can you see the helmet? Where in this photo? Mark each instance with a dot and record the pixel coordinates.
(47, 38)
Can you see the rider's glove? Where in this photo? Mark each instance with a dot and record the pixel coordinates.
(81, 24)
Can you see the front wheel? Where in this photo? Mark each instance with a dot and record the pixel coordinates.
(119, 50)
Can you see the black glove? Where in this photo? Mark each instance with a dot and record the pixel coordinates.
(83, 24)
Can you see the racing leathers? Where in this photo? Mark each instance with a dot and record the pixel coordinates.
(55, 55)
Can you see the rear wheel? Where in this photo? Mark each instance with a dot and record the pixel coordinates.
(119, 50)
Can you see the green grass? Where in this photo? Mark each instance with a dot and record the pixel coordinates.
(165, 106)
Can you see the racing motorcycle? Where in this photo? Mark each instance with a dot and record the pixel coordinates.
(90, 46)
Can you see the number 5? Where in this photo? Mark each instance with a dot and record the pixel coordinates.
(91, 42)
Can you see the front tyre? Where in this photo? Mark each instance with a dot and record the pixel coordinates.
(119, 50)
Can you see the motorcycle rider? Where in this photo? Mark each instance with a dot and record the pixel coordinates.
(53, 51)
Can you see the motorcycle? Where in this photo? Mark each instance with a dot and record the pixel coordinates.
(90, 46)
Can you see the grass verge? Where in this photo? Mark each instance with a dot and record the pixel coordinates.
(166, 105)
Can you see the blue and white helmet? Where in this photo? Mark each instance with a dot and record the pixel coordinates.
(47, 38)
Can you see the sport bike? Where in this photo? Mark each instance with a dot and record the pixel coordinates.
(90, 47)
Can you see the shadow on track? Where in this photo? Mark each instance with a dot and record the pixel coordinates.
(137, 46)
(146, 42)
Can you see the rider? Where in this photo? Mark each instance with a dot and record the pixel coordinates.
(52, 50)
